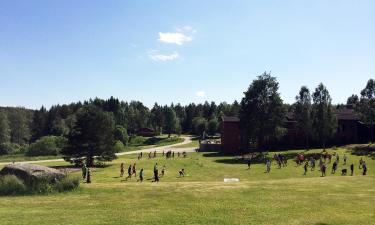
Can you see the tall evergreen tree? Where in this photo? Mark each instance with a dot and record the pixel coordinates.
(39, 124)
(303, 113)
(4, 128)
(367, 105)
(262, 111)
(170, 120)
(20, 132)
(92, 136)
(324, 119)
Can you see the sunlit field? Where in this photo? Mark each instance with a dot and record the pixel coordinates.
(284, 196)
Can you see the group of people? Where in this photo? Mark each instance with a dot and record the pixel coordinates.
(168, 154)
(156, 175)
(324, 160)
(132, 170)
(323, 165)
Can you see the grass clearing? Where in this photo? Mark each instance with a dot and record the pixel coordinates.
(285, 196)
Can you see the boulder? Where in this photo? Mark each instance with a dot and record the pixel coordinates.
(32, 173)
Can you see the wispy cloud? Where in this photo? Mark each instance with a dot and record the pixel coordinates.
(154, 55)
(174, 38)
(200, 94)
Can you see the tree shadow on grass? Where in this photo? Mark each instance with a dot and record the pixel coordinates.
(260, 158)
(363, 150)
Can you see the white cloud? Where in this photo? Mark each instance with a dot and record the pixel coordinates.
(174, 38)
(200, 94)
(160, 57)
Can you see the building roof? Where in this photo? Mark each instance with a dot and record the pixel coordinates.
(230, 119)
(346, 114)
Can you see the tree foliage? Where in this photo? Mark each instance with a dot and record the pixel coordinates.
(4, 128)
(324, 120)
(92, 135)
(262, 110)
(302, 113)
(367, 105)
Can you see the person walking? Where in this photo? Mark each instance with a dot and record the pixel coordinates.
(122, 169)
(323, 169)
(140, 176)
(351, 169)
(129, 172)
(364, 166)
(268, 165)
(84, 171)
(134, 170)
(305, 167)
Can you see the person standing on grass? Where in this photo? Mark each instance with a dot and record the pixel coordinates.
(268, 165)
(182, 173)
(352, 169)
(84, 171)
(88, 177)
(163, 171)
(140, 176)
(134, 170)
(364, 166)
(305, 167)
(323, 169)
(360, 163)
(122, 169)
(129, 172)
(337, 158)
(156, 173)
(248, 163)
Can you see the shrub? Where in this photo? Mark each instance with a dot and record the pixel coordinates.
(11, 185)
(48, 145)
(118, 147)
(10, 148)
(66, 184)
(138, 140)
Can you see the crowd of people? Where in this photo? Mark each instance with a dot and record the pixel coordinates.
(281, 160)
(324, 160)
(132, 169)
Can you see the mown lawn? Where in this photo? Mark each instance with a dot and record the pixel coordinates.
(285, 196)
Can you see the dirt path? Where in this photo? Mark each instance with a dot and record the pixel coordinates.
(187, 140)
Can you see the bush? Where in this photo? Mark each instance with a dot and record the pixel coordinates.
(138, 140)
(11, 185)
(66, 184)
(10, 148)
(118, 147)
(48, 145)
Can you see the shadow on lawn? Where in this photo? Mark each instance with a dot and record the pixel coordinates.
(363, 150)
(260, 158)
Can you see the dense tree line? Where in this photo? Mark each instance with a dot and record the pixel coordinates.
(91, 128)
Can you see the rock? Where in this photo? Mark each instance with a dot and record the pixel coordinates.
(31, 173)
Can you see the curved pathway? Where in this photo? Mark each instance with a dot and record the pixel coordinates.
(187, 140)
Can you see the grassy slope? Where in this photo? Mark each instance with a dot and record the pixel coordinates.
(283, 197)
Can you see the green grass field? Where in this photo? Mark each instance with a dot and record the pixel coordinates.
(285, 196)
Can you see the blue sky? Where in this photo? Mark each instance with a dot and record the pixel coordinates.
(180, 51)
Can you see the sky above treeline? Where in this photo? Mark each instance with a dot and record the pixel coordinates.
(57, 52)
